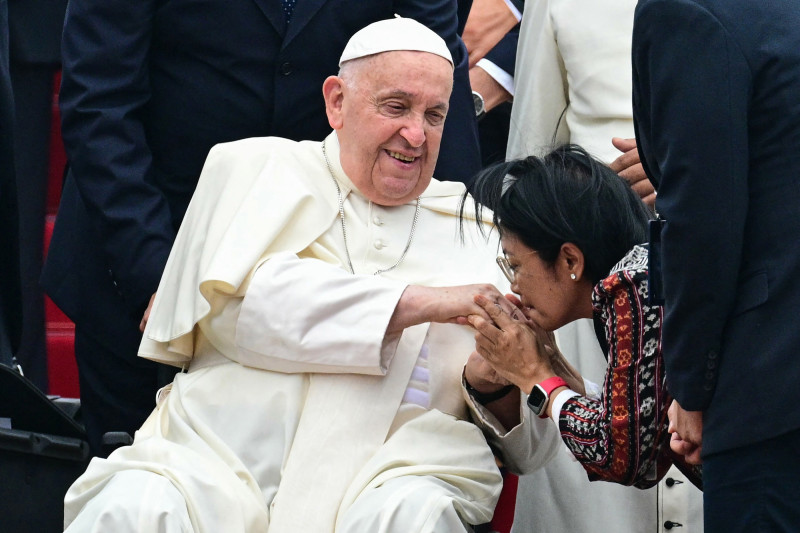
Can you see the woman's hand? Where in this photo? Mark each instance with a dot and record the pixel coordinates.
(511, 343)
(513, 332)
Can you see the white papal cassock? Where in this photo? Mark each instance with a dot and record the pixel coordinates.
(297, 414)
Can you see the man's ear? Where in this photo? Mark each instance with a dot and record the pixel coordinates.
(333, 92)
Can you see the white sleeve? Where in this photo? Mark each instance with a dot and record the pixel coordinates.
(540, 84)
(503, 78)
(514, 10)
(305, 315)
(527, 446)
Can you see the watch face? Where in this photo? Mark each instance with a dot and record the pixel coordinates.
(477, 100)
(537, 399)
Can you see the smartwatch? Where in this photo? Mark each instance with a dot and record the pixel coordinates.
(540, 394)
(480, 105)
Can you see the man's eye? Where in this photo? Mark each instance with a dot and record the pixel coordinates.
(435, 117)
(394, 107)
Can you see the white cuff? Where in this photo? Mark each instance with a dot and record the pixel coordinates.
(499, 75)
(558, 402)
(514, 10)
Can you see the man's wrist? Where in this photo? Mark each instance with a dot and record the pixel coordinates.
(484, 398)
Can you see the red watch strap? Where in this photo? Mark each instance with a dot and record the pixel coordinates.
(551, 384)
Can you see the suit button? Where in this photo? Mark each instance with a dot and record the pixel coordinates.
(286, 68)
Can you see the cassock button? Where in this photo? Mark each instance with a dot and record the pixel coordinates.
(286, 68)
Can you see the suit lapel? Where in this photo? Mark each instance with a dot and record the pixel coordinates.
(273, 10)
(304, 11)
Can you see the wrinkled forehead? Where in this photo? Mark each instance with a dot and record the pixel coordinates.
(397, 69)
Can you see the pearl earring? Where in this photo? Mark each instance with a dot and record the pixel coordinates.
(573, 277)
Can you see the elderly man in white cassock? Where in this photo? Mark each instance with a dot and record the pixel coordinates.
(314, 296)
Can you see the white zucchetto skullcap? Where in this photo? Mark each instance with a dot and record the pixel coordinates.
(391, 35)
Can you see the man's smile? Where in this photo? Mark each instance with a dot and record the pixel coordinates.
(401, 157)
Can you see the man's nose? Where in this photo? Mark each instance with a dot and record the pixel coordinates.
(414, 131)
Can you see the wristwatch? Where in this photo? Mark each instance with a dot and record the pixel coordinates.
(480, 105)
(540, 394)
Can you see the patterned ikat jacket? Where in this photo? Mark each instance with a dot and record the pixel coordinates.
(622, 436)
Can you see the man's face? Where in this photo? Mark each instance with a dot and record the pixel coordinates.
(389, 116)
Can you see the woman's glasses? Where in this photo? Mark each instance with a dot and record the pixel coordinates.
(510, 272)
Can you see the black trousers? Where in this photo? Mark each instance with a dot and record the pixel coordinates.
(118, 388)
(33, 95)
(754, 489)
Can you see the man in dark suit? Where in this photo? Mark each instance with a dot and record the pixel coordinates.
(491, 35)
(34, 30)
(148, 88)
(717, 109)
(10, 305)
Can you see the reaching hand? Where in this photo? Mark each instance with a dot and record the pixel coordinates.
(420, 304)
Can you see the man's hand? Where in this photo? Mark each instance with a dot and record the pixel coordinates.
(687, 432)
(146, 316)
(630, 168)
(482, 376)
(451, 305)
(492, 92)
(487, 23)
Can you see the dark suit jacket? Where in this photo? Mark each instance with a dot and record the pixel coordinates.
(10, 305)
(717, 109)
(504, 53)
(150, 86)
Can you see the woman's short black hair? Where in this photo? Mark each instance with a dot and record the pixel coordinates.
(565, 196)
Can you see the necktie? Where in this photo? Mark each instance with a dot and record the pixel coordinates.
(288, 8)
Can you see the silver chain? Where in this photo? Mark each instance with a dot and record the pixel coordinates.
(344, 227)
